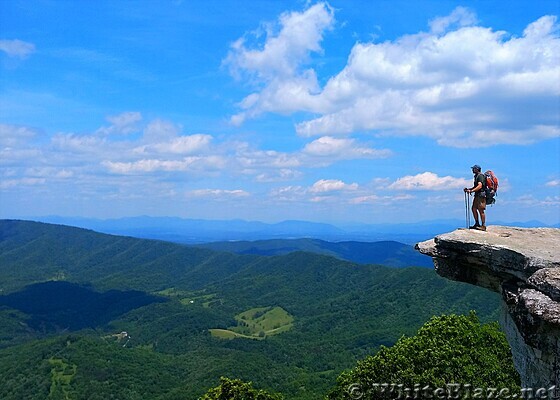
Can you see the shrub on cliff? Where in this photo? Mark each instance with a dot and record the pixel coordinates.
(235, 389)
(449, 349)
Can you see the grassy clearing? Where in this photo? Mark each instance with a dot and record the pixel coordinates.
(257, 323)
(228, 335)
(187, 298)
(61, 375)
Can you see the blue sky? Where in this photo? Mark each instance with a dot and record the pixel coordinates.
(339, 111)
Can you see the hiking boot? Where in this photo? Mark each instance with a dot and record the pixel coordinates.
(481, 228)
(475, 226)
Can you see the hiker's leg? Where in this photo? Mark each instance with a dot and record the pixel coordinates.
(481, 210)
(474, 211)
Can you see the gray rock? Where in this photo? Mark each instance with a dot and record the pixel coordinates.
(523, 265)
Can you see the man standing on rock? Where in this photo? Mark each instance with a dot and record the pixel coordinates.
(479, 201)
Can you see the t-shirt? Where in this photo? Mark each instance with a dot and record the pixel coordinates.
(480, 178)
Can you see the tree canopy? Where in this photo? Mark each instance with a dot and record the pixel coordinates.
(449, 349)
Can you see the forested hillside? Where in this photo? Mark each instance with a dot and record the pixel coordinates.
(83, 312)
(388, 253)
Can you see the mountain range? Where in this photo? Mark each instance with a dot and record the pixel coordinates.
(192, 231)
(91, 315)
(388, 253)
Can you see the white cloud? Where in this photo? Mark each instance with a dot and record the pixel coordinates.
(219, 193)
(49, 172)
(283, 174)
(288, 193)
(251, 159)
(532, 201)
(429, 181)
(331, 185)
(200, 164)
(283, 52)
(162, 148)
(459, 87)
(372, 198)
(553, 183)
(321, 190)
(19, 156)
(278, 62)
(160, 130)
(444, 199)
(460, 17)
(179, 145)
(77, 143)
(12, 135)
(11, 183)
(375, 199)
(342, 148)
(17, 48)
(124, 123)
(318, 153)
(460, 83)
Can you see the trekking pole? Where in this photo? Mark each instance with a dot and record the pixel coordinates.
(467, 216)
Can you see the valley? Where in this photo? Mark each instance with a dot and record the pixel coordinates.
(293, 322)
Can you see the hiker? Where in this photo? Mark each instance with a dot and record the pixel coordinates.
(479, 201)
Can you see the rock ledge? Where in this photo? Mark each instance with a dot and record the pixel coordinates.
(523, 265)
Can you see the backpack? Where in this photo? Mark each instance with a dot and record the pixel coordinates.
(491, 187)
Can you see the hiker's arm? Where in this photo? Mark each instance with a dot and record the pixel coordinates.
(475, 189)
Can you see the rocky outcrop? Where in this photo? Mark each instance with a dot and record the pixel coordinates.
(523, 265)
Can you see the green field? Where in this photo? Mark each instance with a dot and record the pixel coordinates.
(190, 297)
(61, 376)
(257, 323)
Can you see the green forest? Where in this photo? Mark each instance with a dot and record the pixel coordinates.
(96, 316)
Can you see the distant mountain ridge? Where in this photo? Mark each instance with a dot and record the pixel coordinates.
(388, 253)
(191, 231)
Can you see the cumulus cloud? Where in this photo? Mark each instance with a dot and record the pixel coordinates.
(277, 64)
(193, 163)
(160, 130)
(460, 83)
(12, 135)
(10, 183)
(288, 193)
(124, 123)
(322, 190)
(252, 159)
(17, 48)
(331, 185)
(429, 181)
(283, 174)
(77, 143)
(283, 52)
(458, 87)
(49, 172)
(373, 199)
(553, 183)
(460, 17)
(532, 201)
(342, 148)
(163, 147)
(318, 153)
(219, 193)
(180, 145)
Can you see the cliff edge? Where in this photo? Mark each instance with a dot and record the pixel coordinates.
(523, 265)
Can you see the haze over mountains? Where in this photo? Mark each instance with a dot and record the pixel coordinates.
(182, 230)
(388, 253)
(83, 312)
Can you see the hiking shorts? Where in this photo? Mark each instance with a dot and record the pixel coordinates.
(479, 203)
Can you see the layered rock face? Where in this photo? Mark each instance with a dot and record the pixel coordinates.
(523, 265)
